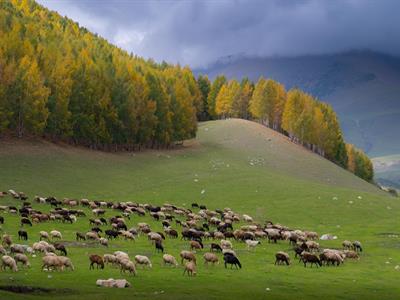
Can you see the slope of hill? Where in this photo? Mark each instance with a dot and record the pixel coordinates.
(362, 86)
(232, 163)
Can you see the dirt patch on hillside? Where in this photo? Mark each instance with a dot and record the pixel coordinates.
(22, 289)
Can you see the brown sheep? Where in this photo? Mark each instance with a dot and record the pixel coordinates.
(187, 255)
(7, 241)
(190, 268)
(210, 258)
(282, 257)
(23, 259)
(96, 259)
(169, 259)
(307, 257)
(195, 245)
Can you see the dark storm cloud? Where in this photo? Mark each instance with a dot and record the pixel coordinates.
(199, 32)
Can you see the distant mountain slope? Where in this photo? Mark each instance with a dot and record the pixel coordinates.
(362, 86)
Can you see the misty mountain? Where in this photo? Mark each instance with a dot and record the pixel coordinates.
(362, 86)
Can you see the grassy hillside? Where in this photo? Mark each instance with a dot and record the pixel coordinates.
(232, 163)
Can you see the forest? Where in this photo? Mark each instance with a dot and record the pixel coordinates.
(63, 83)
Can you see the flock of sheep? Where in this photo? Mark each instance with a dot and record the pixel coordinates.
(196, 225)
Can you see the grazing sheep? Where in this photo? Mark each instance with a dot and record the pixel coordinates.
(60, 247)
(80, 236)
(357, 246)
(282, 257)
(196, 245)
(90, 235)
(187, 255)
(103, 242)
(347, 245)
(127, 235)
(43, 235)
(307, 257)
(2, 250)
(225, 244)
(50, 261)
(252, 244)
(8, 261)
(110, 258)
(26, 221)
(351, 254)
(247, 218)
(215, 247)
(331, 256)
(7, 241)
(210, 257)
(65, 262)
(96, 259)
(22, 234)
(23, 259)
(159, 246)
(143, 260)
(190, 268)
(169, 259)
(312, 246)
(15, 248)
(232, 260)
(55, 234)
(127, 265)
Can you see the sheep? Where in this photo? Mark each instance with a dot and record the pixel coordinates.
(169, 259)
(218, 235)
(351, 254)
(225, 244)
(23, 259)
(60, 247)
(15, 248)
(307, 257)
(332, 257)
(252, 244)
(2, 250)
(96, 259)
(210, 257)
(196, 245)
(187, 255)
(128, 265)
(22, 234)
(143, 260)
(347, 245)
(118, 283)
(44, 235)
(7, 241)
(127, 235)
(312, 246)
(90, 235)
(190, 268)
(215, 247)
(50, 261)
(282, 257)
(103, 242)
(247, 218)
(110, 258)
(154, 236)
(311, 235)
(80, 236)
(159, 246)
(229, 251)
(357, 246)
(65, 262)
(232, 260)
(8, 261)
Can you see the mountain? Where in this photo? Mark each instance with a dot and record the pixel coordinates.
(362, 86)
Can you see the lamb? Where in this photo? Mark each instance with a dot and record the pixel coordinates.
(127, 235)
(252, 244)
(127, 265)
(282, 257)
(96, 259)
(23, 259)
(143, 260)
(169, 259)
(187, 255)
(210, 257)
(65, 262)
(43, 235)
(8, 261)
(7, 241)
(190, 268)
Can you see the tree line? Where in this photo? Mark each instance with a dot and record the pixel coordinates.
(59, 81)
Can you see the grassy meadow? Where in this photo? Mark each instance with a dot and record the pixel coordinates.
(232, 163)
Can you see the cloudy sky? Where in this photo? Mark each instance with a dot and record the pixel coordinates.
(199, 32)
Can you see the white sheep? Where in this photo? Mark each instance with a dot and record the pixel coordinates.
(169, 259)
(8, 261)
(225, 244)
(55, 234)
(210, 258)
(92, 235)
(110, 258)
(127, 265)
(252, 244)
(44, 235)
(103, 241)
(143, 260)
(23, 259)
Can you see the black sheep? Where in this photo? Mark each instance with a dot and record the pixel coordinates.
(25, 221)
(231, 259)
(216, 247)
(22, 235)
(159, 246)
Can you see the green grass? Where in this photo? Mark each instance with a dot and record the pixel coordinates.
(237, 164)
